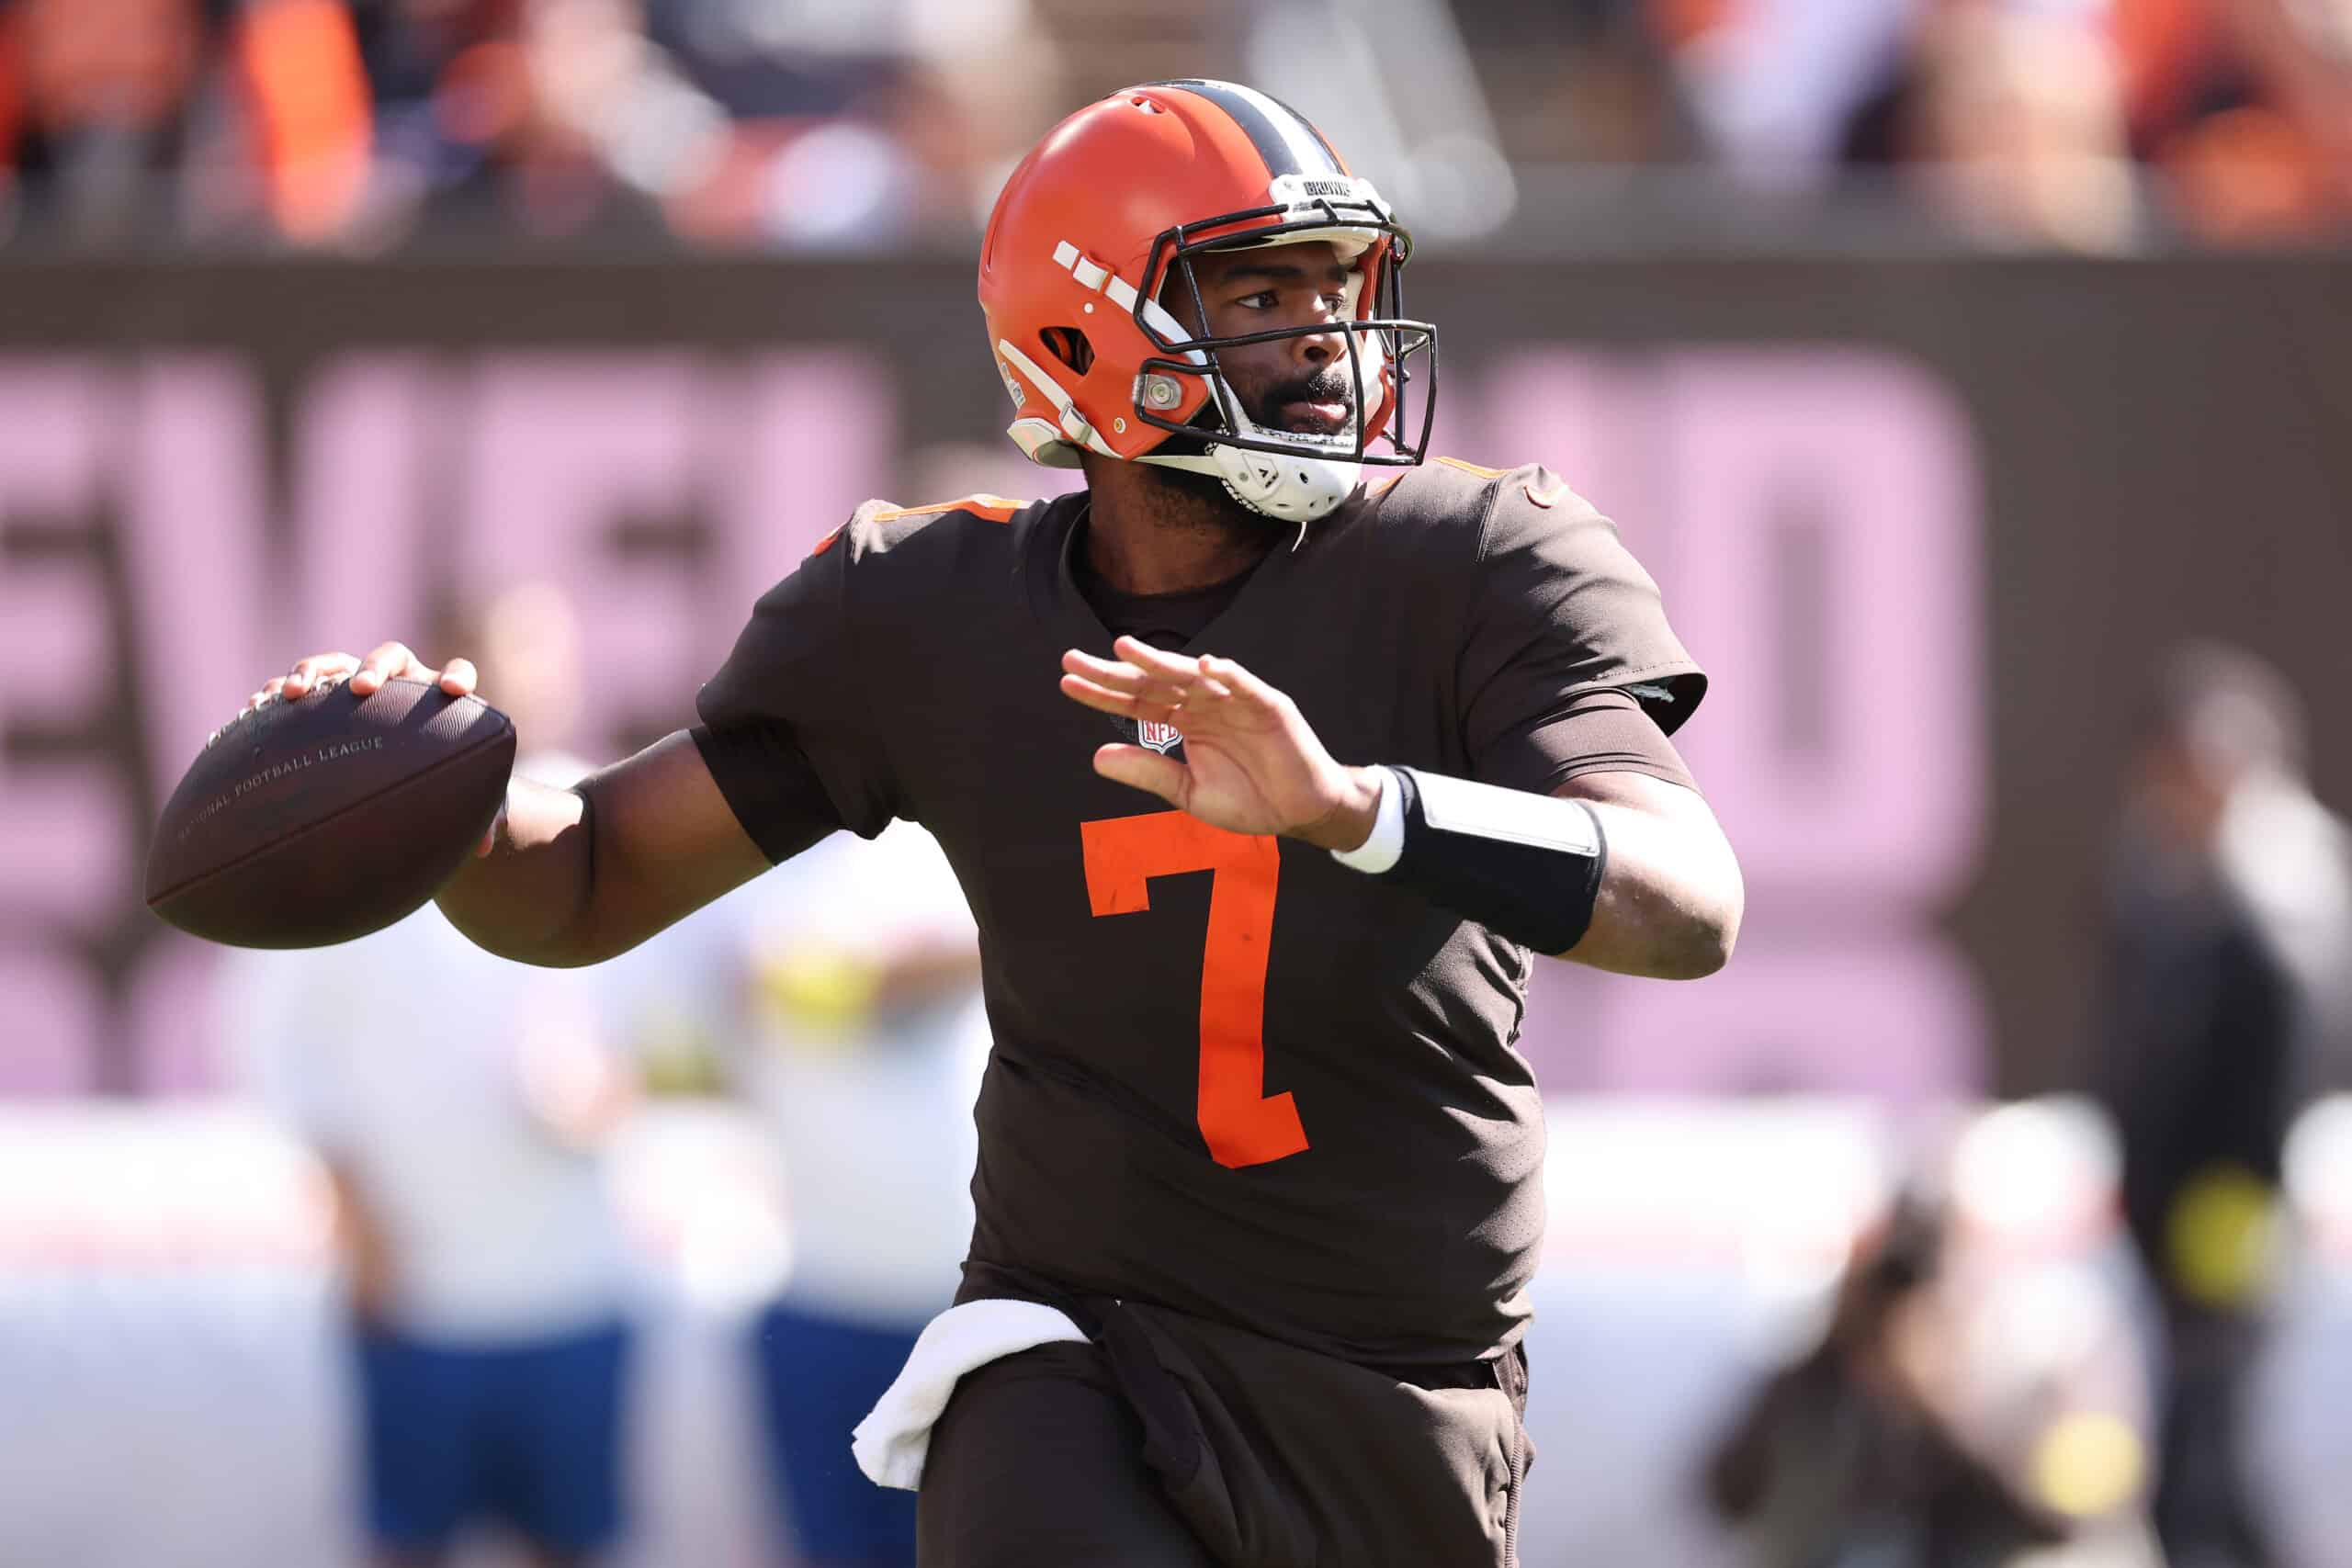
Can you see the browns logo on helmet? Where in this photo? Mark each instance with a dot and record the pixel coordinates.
(1101, 222)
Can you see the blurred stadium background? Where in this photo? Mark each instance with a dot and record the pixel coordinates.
(1949, 361)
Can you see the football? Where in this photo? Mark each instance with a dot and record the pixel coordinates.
(308, 823)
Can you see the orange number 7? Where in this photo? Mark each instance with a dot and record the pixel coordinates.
(1243, 1124)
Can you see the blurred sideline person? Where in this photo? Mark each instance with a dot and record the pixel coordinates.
(867, 1042)
(2008, 123)
(2228, 958)
(460, 1104)
(1855, 1456)
(1260, 1188)
(2241, 106)
(2017, 131)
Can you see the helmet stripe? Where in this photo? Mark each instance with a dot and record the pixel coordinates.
(1283, 137)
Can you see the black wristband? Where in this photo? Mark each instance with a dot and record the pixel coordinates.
(1527, 867)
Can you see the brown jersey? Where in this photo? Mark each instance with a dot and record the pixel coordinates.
(1231, 1076)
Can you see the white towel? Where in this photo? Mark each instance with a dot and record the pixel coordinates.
(894, 1438)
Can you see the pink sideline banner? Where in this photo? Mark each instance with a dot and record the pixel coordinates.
(156, 571)
(1812, 513)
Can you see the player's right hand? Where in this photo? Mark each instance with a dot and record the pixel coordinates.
(388, 661)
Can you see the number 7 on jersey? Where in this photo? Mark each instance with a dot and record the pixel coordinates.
(1241, 1123)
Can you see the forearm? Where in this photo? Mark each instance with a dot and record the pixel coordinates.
(532, 890)
(1671, 901)
(575, 876)
(1661, 897)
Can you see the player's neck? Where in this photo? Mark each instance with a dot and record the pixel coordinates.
(1153, 530)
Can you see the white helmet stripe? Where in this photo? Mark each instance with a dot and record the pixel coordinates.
(1122, 294)
(1074, 425)
(1306, 149)
(1281, 134)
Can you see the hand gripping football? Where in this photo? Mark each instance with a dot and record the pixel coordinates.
(311, 822)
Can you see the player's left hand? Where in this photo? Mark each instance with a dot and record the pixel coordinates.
(1251, 766)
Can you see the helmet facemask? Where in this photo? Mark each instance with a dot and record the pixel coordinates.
(1295, 476)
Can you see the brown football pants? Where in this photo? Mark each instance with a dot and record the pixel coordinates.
(1179, 1443)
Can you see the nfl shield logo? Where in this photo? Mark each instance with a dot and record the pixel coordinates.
(1161, 738)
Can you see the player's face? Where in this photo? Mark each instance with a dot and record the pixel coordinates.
(1300, 383)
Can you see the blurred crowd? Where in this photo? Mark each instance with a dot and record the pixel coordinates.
(345, 122)
(797, 124)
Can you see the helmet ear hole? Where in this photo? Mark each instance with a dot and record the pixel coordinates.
(1070, 345)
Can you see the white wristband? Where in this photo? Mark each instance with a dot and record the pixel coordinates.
(1381, 851)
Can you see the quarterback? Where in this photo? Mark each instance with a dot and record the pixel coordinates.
(1270, 763)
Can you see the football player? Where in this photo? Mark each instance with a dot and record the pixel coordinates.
(1270, 762)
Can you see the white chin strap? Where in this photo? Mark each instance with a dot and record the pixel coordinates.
(1294, 486)
(1297, 486)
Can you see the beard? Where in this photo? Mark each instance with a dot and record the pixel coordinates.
(1269, 408)
(1181, 498)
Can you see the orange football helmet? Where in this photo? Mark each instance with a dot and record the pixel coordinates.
(1107, 212)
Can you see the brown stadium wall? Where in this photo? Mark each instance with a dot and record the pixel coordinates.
(1929, 520)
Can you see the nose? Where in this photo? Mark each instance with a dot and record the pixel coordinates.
(1320, 348)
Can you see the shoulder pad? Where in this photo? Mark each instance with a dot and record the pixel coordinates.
(1449, 489)
(1530, 481)
(995, 508)
(871, 521)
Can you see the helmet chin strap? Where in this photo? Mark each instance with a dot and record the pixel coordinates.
(1289, 487)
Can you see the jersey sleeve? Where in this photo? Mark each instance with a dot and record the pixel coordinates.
(768, 781)
(787, 729)
(1605, 731)
(1563, 612)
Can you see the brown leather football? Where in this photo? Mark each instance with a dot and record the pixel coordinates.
(309, 823)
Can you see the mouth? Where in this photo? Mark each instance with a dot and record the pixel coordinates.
(1303, 418)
